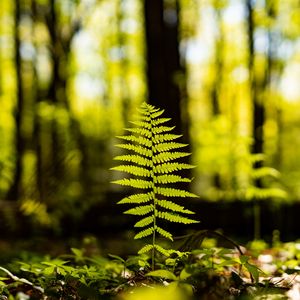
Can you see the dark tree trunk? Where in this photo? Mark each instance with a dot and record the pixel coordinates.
(256, 89)
(163, 57)
(41, 181)
(56, 96)
(15, 191)
(258, 113)
(259, 87)
(217, 83)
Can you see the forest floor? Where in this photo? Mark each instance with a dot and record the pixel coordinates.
(52, 271)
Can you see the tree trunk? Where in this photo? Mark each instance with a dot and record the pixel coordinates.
(259, 88)
(41, 181)
(216, 85)
(15, 191)
(163, 58)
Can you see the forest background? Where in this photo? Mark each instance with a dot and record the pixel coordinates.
(73, 73)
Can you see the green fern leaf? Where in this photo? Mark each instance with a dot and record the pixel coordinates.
(144, 233)
(171, 167)
(137, 159)
(265, 193)
(175, 218)
(168, 146)
(164, 233)
(145, 249)
(265, 171)
(144, 222)
(170, 192)
(160, 121)
(164, 179)
(139, 140)
(154, 156)
(168, 156)
(136, 149)
(140, 210)
(136, 183)
(141, 131)
(162, 250)
(161, 129)
(130, 169)
(159, 138)
(157, 114)
(173, 206)
(137, 199)
(146, 125)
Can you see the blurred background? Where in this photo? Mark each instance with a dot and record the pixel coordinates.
(72, 74)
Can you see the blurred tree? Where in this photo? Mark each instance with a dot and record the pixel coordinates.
(15, 190)
(218, 72)
(51, 163)
(257, 85)
(122, 45)
(260, 69)
(164, 69)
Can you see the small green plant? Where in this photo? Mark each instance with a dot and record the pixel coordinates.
(153, 161)
(260, 189)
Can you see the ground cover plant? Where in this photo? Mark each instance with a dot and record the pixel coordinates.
(193, 267)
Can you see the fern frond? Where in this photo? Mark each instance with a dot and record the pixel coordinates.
(142, 131)
(153, 160)
(148, 108)
(144, 233)
(168, 146)
(140, 210)
(136, 149)
(139, 140)
(134, 170)
(137, 159)
(265, 193)
(150, 111)
(173, 206)
(161, 129)
(264, 171)
(171, 192)
(143, 124)
(135, 183)
(146, 249)
(156, 114)
(160, 121)
(175, 218)
(164, 233)
(162, 250)
(137, 199)
(144, 222)
(159, 138)
(171, 167)
(164, 179)
(168, 156)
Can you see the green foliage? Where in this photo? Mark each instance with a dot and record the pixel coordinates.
(261, 187)
(153, 162)
(263, 174)
(201, 272)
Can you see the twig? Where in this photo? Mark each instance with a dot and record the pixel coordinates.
(23, 280)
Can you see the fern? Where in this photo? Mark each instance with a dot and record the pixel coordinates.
(256, 192)
(153, 163)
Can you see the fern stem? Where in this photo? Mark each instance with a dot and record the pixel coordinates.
(154, 202)
(153, 240)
